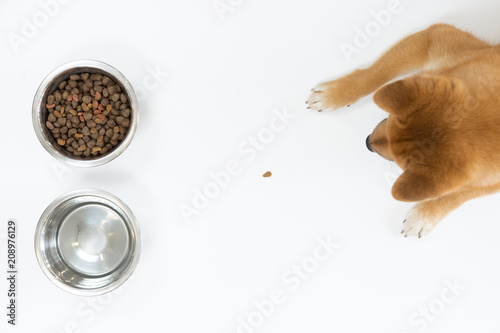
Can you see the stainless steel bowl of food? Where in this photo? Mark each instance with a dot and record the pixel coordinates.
(60, 148)
(88, 242)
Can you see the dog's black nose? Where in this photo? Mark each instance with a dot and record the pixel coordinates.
(368, 145)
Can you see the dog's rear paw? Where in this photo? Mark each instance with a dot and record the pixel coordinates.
(332, 95)
(419, 221)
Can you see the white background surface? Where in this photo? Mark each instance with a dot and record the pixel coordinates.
(225, 78)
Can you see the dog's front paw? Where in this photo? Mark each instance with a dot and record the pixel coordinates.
(420, 221)
(332, 95)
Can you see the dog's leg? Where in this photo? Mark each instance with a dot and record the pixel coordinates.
(425, 215)
(437, 47)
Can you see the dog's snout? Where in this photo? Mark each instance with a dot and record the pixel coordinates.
(368, 145)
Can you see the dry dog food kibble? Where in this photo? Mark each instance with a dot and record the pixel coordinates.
(88, 115)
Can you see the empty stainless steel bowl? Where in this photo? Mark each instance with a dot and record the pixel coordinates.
(88, 242)
(50, 84)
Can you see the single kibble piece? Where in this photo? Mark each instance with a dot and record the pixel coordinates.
(267, 174)
(87, 115)
(86, 131)
(125, 122)
(106, 81)
(86, 99)
(125, 113)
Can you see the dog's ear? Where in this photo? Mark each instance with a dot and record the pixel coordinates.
(414, 93)
(411, 186)
(395, 96)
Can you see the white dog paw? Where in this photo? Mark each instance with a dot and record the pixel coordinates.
(418, 222)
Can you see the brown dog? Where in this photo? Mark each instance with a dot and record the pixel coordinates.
(443, 127)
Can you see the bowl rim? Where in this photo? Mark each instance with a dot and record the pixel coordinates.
(133, 226)
(37, 112)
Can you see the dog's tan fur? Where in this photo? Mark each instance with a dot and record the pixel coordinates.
(443, 127)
